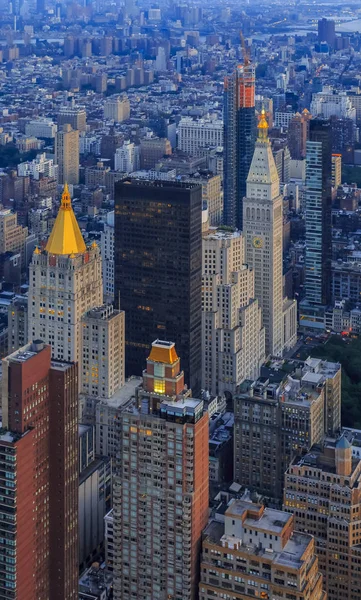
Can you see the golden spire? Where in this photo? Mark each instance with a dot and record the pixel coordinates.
(66, 237)
(262, 126)
(37, 250)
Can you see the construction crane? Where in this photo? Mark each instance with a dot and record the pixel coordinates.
(245, 50)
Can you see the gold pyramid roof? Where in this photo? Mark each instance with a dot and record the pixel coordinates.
(66, 237)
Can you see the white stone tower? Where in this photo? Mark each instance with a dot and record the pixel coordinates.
(262, 229)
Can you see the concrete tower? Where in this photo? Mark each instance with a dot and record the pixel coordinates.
(65, 282)
(262, 228)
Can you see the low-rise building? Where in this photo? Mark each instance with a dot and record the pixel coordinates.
(253, 551)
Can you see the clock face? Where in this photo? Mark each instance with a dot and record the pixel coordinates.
(257, 242)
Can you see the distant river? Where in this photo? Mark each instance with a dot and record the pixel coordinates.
(349, 26)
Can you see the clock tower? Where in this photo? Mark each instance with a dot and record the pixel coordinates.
(262, 229)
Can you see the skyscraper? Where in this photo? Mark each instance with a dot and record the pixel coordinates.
(65, 281)
(326, 32)
(262, 227)
(39, 454)
(158, 270)
(318, 224)
(239, 140)
(67, 155)
(233, 337)
(161, 485)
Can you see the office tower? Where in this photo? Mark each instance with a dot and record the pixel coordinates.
(326, 32)
(39, 451)
(152, 149)
(262, 227)
(298, 133)
(233, 337)
(323, 491)
(158, 269)
(318, 225)
(253, 551)
(102, 347)
(336, 170)
(75, 116)
(282, 415)
(195, 135)
(65, 281)
(12, 235)
(160, 486)
(117, 109)
(239, 140)
(67, 155)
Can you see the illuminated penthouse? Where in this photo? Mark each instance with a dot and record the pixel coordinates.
(161, 485)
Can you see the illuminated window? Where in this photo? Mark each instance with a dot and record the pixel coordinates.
(159, 370)
(159, 386)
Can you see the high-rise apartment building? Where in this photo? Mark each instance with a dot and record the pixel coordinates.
(233, 337)
(117, 109)
(107, 253)
(253, 551)
(75, 116)
(336, 170)
(17, 323)
(126, 158)
(158, 269)
(196, 135)
(323, 491)
(67, 155)
(282, 415)
(326, 32)
(102, 348)
(239, 140)
(12, 235)
(39, 460)
(161, 486)
(318, 225)
(262, 227)
(65, 281)
(298, 132)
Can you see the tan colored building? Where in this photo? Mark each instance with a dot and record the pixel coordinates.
(65, 281)
(117, 109)
(160, 486)
(102, 351)
(281, 416)
(67, 155)
(323, 491)
(72, 115)
(233, 337)
(255, 551)
(152, 149)
(212, 196)
(12, 235)
(97, 176)
(336, 170)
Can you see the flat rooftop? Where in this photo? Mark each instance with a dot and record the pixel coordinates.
(124, 394)
(270, 520)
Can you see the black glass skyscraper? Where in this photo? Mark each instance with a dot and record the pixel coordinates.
(158, 270)
(240, 127)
